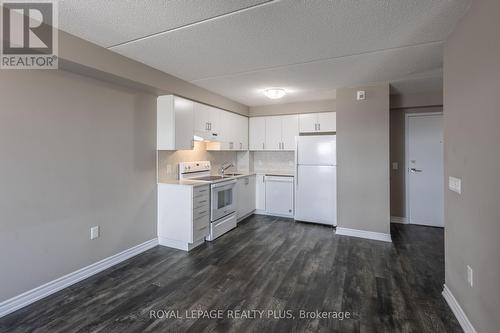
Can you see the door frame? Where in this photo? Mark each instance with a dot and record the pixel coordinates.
(407, 144)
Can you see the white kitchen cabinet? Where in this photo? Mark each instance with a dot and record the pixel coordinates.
(318, 122)
(174, 123)
(273, 133)
(327, 122)
(289, 130)
(260, 192)
(233, 132)
(245, 196)
(257, 133)
(206, 121)
(308, 122)
(281, 132)
(183, 215)
(279, 195)
(242, 133)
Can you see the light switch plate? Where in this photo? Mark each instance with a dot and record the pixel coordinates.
(455, 184)
(395, 165)
(94, 232)
(361, 95)
(470, 276)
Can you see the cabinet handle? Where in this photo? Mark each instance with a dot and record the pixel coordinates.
(319, 127)
(262, 145)
(241, 145)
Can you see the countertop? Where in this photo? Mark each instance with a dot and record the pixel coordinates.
(190, 182)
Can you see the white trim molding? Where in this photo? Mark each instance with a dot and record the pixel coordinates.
(457, 311)
(33, 295)
(364, 234)
(399, 219)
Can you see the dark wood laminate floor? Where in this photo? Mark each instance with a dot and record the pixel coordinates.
(265, 264)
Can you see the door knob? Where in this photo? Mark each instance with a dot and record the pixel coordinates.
(415, 170)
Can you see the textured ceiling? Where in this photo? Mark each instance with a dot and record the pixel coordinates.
(311, 47)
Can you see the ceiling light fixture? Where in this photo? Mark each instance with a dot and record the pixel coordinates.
(274, 93)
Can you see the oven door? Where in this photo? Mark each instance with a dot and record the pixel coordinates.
(222, 198)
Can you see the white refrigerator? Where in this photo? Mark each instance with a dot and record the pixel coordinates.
(316, 179)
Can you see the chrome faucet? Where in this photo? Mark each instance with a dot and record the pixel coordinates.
(224, 167)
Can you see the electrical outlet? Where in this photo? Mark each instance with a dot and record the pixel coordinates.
(470, 276)
(94, 232)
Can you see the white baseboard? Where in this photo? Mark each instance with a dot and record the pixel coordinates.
(363, 234)
(33, 295)
(399, 219)
(457, 311)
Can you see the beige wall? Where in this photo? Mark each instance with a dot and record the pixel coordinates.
(363, 159)
(75, 153)
(397, 154)
(417, 100)
(472, 153)
(81, 56)
(168, 160)
(293, 108)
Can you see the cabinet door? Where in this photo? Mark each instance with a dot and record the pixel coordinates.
(308, 122)
(273, 133)
(201, 121)
(289, 130)
(184, 115)
(214, 115)
(240, 198)
(279, 195)
(227, 130)
(174, 123)
(260, 192)
(242, 133)
(327, 122)
(251, 194)
(257, 133)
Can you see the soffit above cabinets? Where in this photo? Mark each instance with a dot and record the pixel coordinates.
(235, 48)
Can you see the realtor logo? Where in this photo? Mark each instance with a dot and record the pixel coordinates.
(29, 34)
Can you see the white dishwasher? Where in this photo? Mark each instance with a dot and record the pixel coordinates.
(279, 195)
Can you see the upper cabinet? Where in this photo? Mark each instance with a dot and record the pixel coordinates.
(274, 133)
(318, 122)
(257, 135)
(206, 121)
(289, 130)
(180, 121)
(174, 123)
(233, 132)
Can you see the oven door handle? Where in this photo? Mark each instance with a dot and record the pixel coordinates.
(227, 184)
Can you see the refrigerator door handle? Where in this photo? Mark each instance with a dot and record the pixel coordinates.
(297, 164)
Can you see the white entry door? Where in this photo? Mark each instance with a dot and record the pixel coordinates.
(424, 162)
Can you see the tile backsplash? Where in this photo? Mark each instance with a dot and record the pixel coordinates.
(259, 161)
(168, 161)
(266, 161)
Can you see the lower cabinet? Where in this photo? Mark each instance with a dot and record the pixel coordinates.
(245, 196)
(260, 192)
(183, 215)
(279, 195)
